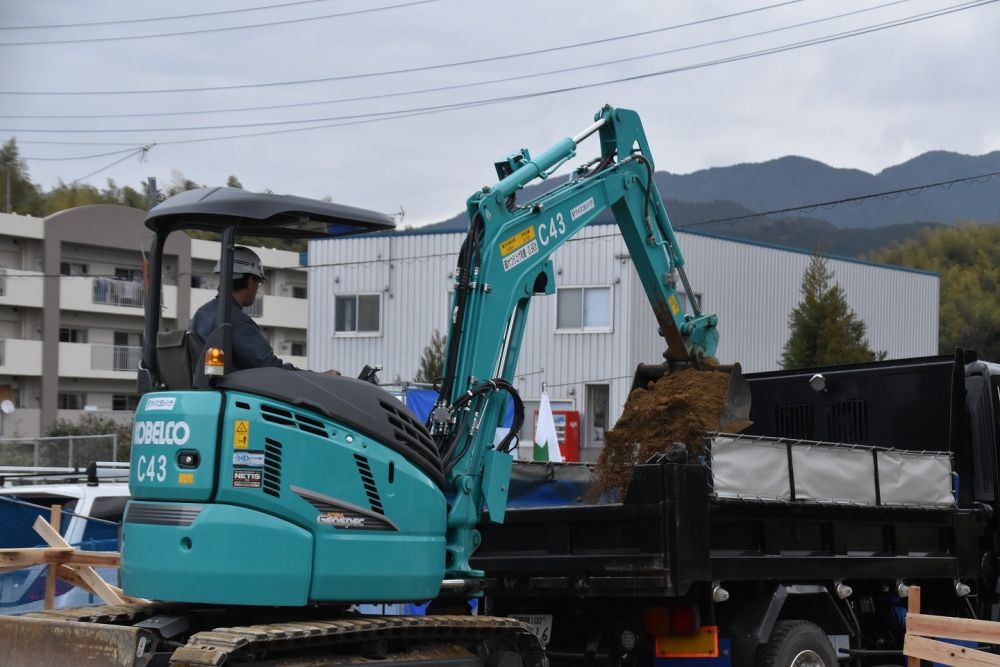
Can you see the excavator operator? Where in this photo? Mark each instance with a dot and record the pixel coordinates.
(250, 348)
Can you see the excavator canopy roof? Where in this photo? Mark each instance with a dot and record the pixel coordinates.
(261, 214)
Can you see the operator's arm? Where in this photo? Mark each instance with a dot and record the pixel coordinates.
(250, 348)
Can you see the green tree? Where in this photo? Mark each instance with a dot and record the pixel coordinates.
(967, 259)
(20, 195)
(824, 329)
(233, 182)
(432, 360)
(94, 449)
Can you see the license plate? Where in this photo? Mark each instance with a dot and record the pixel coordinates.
(541, 625)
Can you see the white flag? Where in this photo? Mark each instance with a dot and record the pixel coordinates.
(546, 440)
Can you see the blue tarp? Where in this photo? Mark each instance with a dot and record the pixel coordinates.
(421, 402)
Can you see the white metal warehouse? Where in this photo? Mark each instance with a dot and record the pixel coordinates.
(378, 298)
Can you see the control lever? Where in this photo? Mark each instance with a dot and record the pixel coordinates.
(368, 374)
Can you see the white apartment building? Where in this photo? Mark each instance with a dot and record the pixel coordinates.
(72, 309)
(384, 294)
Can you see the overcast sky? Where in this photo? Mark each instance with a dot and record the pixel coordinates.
(867, 102)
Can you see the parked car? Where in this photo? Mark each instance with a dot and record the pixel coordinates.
(91, 517)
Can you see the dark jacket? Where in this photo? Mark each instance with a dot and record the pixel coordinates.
(250, 349)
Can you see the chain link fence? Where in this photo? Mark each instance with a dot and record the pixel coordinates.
(70, 451)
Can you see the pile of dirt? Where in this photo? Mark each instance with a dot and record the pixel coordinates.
(678, 408)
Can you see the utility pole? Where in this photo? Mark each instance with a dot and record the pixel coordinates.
(7, 205)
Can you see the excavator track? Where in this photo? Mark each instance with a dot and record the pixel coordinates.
(344, 639)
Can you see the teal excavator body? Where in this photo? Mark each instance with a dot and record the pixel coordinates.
(276, 487)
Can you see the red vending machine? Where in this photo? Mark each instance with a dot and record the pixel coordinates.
(568, 432)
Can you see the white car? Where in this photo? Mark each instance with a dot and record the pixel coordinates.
(91, 517)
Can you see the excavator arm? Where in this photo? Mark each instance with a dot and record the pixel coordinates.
(505, 260)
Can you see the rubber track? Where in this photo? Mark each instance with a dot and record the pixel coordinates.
(212, 648)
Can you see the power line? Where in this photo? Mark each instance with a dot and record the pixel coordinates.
(91, 40)
(405, 113)
(83, 157)
(410, 70)
(159, 18)
(463, 85)
(140, 152)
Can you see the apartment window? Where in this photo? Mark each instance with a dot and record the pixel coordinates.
(71, 401)
(134, 275)
(298, 291)
(72, 335)
(128, 402)
(73, 269)
(583, 309)
(298, 349)
(357, 314)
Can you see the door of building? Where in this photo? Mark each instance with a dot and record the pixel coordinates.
(595, 418)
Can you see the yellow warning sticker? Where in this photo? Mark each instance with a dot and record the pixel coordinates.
(517, 240)
(674, 308)
(185, 478)
(241, 434)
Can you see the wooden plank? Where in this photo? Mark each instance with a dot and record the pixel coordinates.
(913, 607)
(50, 573)
(918, 648)
(68, 574)
(971, 629)
(99, 586)
(15, 559)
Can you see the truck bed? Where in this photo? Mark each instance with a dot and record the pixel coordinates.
(671, 531)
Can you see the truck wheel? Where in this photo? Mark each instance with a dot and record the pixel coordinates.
(797, 644)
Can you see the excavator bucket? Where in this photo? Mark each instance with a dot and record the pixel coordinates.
(35, 641)
(735, 413)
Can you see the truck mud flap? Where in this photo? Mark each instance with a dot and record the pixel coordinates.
(28, 642)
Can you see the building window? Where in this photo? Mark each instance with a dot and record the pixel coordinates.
(686, 303)
(583, 309)
(73, 269)
(128, 402)
(298, 291)
(134, 275)
(71, 401)
(357, 314)
(298, 348)
(72, 335)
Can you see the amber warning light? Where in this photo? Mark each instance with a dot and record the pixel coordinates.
(215, 361)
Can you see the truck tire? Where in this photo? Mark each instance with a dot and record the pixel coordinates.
(797, 644)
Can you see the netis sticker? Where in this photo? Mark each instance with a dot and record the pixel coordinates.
(160, 402)
(247, 478)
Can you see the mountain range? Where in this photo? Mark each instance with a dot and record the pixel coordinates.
(706, 200)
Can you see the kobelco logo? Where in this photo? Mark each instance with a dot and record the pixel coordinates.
(160, 433)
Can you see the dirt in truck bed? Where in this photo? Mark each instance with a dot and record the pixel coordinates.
(679, 407)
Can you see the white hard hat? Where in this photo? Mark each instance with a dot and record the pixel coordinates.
(245, 261)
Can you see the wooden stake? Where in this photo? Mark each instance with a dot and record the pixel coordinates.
(50, 571)
(913, 607)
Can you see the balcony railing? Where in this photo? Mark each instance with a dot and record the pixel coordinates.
(3, 282)
(3, 351)
(114, 357)
(118, 292)
(255, 309)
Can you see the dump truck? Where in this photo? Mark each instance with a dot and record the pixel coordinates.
(793, 543)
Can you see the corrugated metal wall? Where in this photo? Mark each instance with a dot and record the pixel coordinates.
(753, 289)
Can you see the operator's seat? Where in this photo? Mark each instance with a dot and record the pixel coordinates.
(177, 354)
